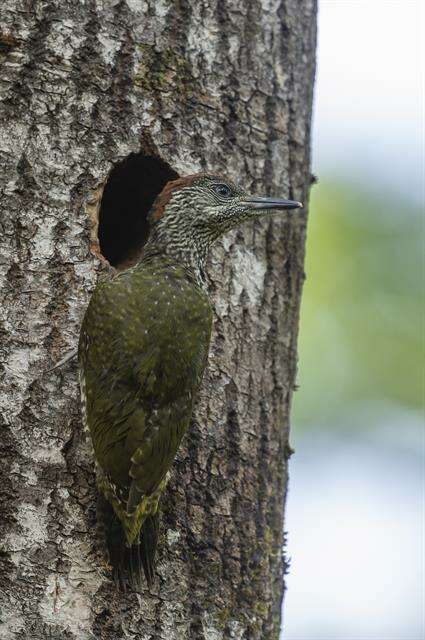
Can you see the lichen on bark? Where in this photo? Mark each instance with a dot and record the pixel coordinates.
(223, 86)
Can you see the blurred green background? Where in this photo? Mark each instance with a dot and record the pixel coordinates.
(355, 509)
(361, 336)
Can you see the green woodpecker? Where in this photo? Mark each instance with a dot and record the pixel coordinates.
(142, 353)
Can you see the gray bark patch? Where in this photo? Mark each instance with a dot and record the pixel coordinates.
(223, 86)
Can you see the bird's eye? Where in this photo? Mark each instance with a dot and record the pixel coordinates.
(222, 190)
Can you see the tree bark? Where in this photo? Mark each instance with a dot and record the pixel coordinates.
(206, 84)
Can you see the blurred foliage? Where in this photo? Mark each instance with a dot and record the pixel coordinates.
(361, 333)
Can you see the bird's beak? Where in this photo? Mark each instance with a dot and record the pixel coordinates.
(256, 204)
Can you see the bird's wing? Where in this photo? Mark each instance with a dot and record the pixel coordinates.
(151, 461)
(134, 446)
(134, 439)
(114, 375)
(138, 379)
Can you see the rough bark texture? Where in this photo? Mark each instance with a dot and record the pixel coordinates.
(210, 84)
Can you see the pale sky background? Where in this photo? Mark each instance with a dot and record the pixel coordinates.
(369, 110)
(355, 517)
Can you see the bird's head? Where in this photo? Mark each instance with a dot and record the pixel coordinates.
(197, 209)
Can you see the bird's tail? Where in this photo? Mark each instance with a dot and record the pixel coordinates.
(128, 562)
(148, 544)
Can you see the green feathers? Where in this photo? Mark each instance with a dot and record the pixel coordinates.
(143, 349)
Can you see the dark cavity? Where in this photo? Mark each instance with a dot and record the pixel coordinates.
(129, 193)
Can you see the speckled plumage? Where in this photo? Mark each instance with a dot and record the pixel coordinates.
(143, 350)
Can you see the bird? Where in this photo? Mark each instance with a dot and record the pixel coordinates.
(142, 352)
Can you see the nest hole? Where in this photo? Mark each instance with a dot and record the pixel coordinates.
(128, 195)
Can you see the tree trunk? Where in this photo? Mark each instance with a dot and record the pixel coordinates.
(204, 84)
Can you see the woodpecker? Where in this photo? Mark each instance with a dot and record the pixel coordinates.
(142, 353)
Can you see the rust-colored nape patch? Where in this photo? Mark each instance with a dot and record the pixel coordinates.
(165, 195)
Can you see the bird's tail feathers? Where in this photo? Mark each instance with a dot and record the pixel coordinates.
(148, 544)
(128, 562)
